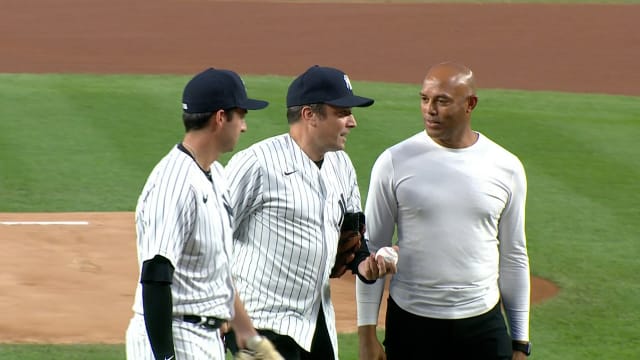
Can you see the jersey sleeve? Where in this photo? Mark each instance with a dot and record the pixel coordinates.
(166, 221)
(244, 179)
(514, 278)
(380, 214)
(381, 209)
(354, 202)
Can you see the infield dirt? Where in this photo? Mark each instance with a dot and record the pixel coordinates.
(75, 284)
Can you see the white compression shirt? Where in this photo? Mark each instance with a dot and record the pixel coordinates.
(288, 214)
(181, 215)
(460, 217)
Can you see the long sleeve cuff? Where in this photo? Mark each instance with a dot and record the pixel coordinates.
(368, 297)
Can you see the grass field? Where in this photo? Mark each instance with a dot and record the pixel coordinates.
(88, 142)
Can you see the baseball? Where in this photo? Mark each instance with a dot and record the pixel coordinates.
(388, 253)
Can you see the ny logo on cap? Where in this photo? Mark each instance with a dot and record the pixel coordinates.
(347, 82)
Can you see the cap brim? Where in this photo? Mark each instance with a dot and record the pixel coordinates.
(351, 101)
(253, 104)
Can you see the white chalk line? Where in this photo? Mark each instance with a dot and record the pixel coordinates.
(72, 223)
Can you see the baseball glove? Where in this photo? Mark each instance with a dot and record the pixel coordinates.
(258, 348)
(351, 235)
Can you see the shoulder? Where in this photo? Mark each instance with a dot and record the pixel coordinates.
(340, 160)
(217, 169)
(259, 157)
(499, 152)
(176, 164)
(405, 149)
(340, 156)
(267, 147)
(175, 169)
(419, 140)
(272, 143)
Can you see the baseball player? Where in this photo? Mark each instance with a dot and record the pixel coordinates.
(457, 202)
(290, 196)
(184, 232)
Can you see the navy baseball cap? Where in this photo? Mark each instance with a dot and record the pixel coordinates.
(213, 90)
(324, 85)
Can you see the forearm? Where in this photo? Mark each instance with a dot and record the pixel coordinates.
(515, 290)
(514, 277)
(241, 323)
(517, 312)
(156, 300)
(156, 277)
(368, 297)
(367, 333)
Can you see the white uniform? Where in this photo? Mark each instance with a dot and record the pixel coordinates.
(460, 217)
(288, 214)
(185, 217)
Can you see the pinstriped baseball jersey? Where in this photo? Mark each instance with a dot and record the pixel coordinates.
(190, 341)
(287, 214)
(185, 217)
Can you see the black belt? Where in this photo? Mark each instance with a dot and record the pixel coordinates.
(208, 322)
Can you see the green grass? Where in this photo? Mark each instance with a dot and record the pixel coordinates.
(348, 350)
(87, 143)
(61, 352)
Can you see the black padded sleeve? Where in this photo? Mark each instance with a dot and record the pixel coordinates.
(158, 270)
(356, 221)
(156, 278)
(361, 254)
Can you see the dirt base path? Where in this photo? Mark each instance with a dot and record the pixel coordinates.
(75, 283)
(584, 48)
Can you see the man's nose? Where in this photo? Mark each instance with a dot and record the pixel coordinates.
(351, 121)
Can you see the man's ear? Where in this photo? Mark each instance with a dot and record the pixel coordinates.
(217, 119)
(308, 116)
(472, 102)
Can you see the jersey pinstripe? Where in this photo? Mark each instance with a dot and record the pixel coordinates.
(185, 217)
(190, 341)
(288, 214)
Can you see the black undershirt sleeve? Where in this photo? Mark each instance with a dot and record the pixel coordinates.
(356, 221)
(361, 254)
(156, 278)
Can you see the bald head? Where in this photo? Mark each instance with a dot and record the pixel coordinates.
(453, 76)
(448, 97)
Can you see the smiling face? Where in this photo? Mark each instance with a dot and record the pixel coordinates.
(447, 99)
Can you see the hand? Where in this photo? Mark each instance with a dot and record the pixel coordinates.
(225, 328)
(259, 348)
(244, 355)
(519, 355)
(348, 244)
(376, 267)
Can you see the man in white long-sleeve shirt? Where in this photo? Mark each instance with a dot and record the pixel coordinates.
(458, 202)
